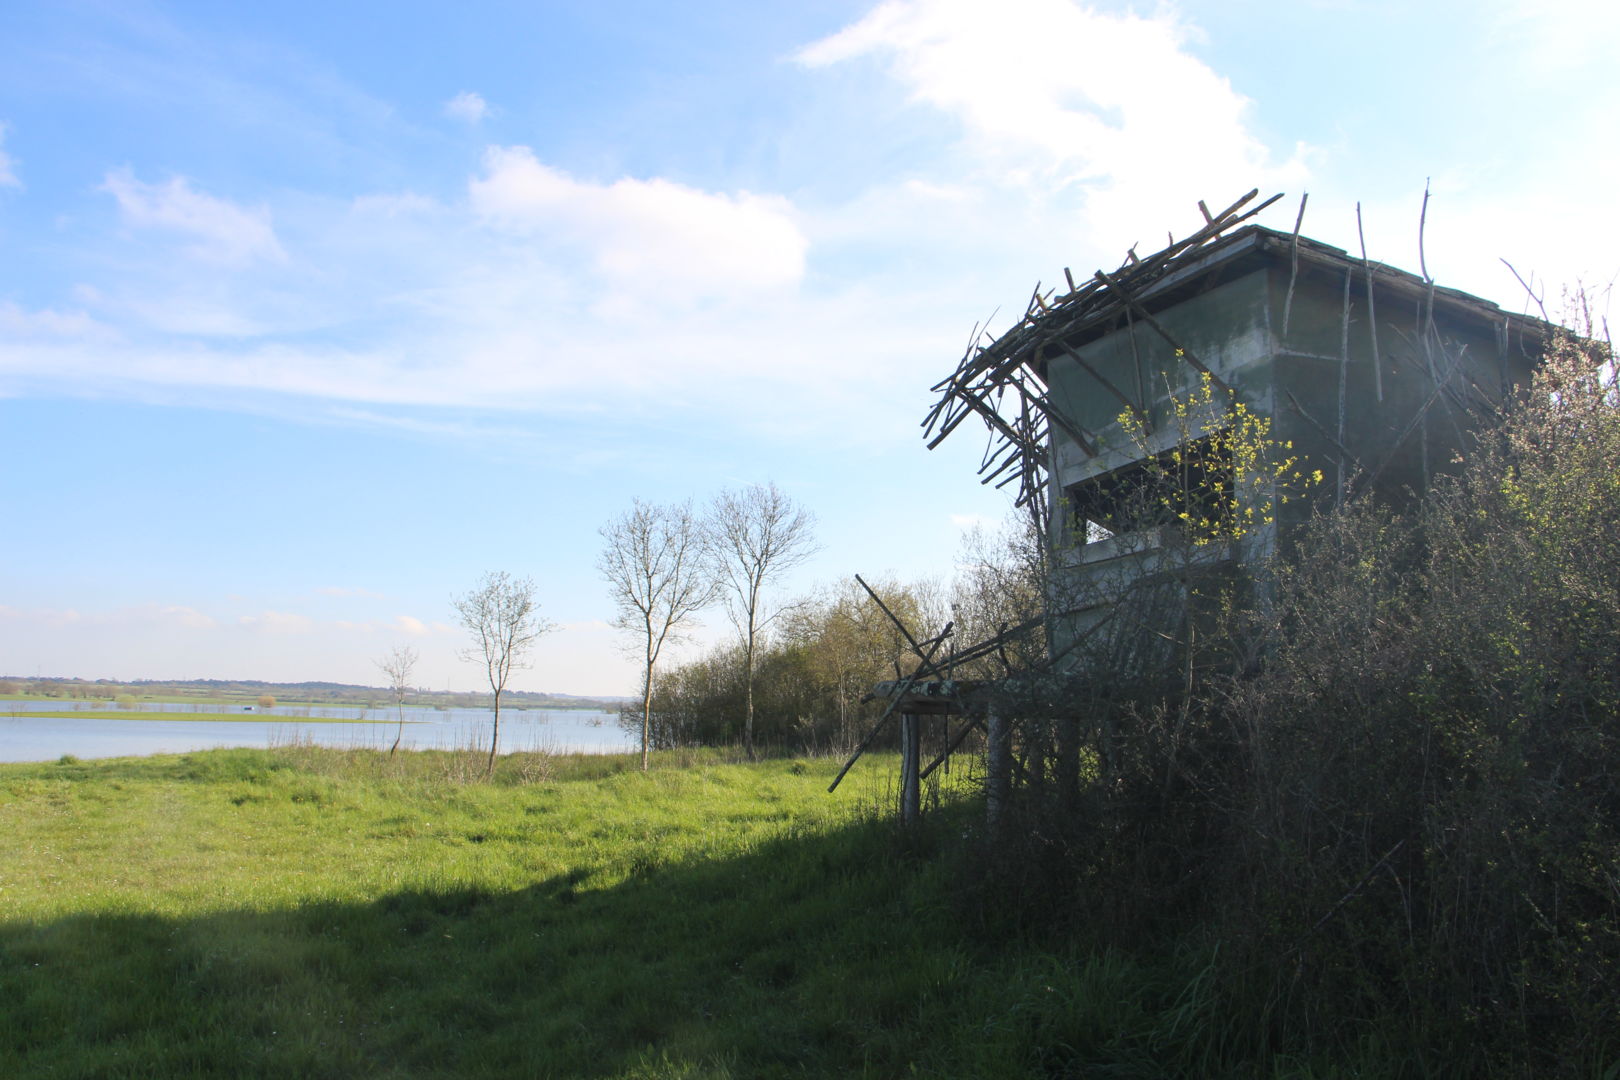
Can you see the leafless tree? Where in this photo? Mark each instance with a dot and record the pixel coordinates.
(397, 665)
(653, 564)
(504, 619)
(754, 536)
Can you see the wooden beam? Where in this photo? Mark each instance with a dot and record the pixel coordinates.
(951, 748)
(1147, 317)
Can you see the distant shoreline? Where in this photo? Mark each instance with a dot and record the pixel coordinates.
(240, 691)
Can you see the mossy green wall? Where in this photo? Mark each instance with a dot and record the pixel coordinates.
(1315, 378)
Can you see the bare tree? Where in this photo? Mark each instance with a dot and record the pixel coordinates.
(397, 665)
(754, 536)
(504, 619)
(653, 564)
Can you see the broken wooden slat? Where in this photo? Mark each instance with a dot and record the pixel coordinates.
(1147, 317)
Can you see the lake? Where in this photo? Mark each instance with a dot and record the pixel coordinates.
(29, 738)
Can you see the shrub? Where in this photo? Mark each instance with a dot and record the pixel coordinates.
(1399, 803)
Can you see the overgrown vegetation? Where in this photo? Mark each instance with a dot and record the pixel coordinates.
(1376, 781)
(1385, 786)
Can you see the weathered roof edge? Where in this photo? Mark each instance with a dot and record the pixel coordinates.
(1045, 322)
(1004, 382)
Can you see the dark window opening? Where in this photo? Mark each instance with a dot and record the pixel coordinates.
(1191, 487)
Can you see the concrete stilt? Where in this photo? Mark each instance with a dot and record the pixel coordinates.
(998, 782)
(910, 767)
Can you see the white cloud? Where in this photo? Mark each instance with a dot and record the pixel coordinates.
(645, 236)
(139, 617)
(8, 168)
(178, 615)
(1051, 95)
(223, 231)
(18, 322)
(467, 106)
(348, 591)
(399, 204)
(410, 624)
(278, 622)
(1551, 39)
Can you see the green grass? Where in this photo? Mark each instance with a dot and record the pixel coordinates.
(228, 717)
(323, 913)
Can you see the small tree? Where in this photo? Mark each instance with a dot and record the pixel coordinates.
(1225, 476)
(504, 619)
(397, 665)
(267, 701)
(754, 536)
(653, 565)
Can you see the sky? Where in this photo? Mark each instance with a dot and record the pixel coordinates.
(311, 314)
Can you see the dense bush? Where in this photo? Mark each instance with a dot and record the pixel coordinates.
(1391, 794)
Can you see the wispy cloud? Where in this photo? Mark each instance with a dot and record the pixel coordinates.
(153, 616)
(8, 167)
(467, 106)
(410, 624)
(1051, 94)
(349, 591)
(278, 622)
(222, 231)
(645, 234)
(18, 322)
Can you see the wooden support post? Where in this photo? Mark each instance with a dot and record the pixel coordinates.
(910, 767)
(998, 782)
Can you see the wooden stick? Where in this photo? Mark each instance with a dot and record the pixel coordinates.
(1147, 317)
(1344, 371)
(972, 723)
(1423, 217)
(905, 685)
(1344, 451)
(1529, 291)
(1141, 416)
(916, 648)
(1293, 270)
(1372, 315)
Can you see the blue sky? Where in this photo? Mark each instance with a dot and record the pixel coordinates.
(310, 314)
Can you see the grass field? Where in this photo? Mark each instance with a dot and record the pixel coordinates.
(322, 913)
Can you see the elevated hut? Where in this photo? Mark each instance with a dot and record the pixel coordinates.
(1172, 423)
(1112, 405)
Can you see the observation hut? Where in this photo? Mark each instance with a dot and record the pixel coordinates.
(1125, 405)
(1172, 422)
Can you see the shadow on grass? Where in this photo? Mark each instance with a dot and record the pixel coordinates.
(818, 955)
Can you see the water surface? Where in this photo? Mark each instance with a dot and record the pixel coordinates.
(30, 738)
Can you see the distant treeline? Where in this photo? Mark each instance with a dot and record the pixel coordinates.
(825, 652)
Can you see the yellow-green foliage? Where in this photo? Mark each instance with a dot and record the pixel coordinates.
(1226, 474)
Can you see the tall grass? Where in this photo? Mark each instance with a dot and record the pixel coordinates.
(311, 912)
